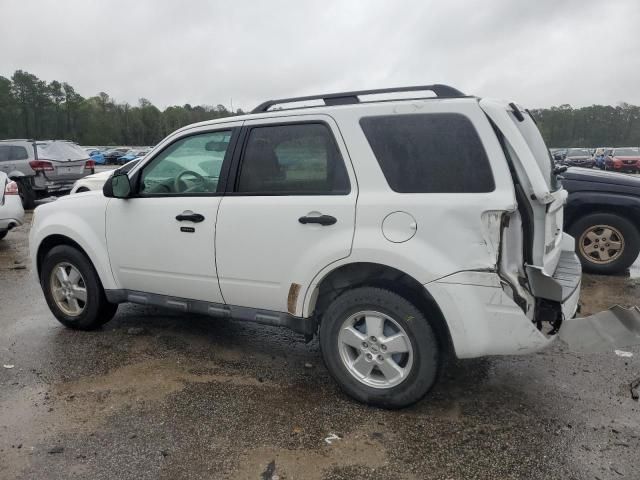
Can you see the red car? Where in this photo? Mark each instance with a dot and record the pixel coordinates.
(625, 159)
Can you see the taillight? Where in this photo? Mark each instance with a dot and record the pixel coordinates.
(11, 189)
(41, 166)
(90, 165)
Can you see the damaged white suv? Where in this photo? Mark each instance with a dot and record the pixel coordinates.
(397, 230)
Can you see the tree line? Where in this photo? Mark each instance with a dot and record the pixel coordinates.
(32, 108)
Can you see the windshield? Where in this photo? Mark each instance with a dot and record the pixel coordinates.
(626, 152)
(578, 152)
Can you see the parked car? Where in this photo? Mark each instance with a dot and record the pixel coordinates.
(324, 223)
(97, 180)
(42, 167)
(578, 157)
(113, 154)
(600, 157)
(11, 211)
(96, 156)
(624, 160)
(558, 154)
(131, 155)
(603, 215)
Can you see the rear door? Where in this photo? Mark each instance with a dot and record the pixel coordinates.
(534, 167)
(289, 213)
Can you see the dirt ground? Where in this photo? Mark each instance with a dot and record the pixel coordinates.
(160, 395)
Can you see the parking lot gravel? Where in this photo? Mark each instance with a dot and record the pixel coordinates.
(161, 395)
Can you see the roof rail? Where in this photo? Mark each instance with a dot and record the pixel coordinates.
(347, 98)
(16, 140)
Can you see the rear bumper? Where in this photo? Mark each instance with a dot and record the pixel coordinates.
(11, 213)
(484, 320)
(43, 185)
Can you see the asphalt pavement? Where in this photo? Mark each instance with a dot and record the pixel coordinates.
(161, 395)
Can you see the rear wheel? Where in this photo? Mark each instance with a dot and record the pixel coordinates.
(379, 347)
(3, 234)
(605, 243)
(27, 195)
(73, 289)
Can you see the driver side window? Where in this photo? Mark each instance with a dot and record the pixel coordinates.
(189, 166)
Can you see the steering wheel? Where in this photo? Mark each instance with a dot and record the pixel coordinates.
(178, 183)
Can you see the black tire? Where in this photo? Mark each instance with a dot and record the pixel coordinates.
(426, 351)
(27, 195)
(97, 310)
(628, 232)
(3, 234)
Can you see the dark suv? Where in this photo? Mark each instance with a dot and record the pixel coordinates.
(603, 214)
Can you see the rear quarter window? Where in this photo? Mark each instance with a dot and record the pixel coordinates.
(429, 153)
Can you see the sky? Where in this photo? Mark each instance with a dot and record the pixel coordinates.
(536, 52)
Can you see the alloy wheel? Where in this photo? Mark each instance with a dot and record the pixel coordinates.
(68, 289)
(375, 349)
(601, 244)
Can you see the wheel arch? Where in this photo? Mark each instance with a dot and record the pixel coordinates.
(371, 274)
(620, 206)
(52, 241)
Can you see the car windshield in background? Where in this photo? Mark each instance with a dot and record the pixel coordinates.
(60, 151)
(626, 152)
(578, 152)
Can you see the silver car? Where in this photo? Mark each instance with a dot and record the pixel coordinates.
(41, 167)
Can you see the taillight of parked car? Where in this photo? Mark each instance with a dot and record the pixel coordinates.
(11, 189)
(90, 165)
(41, 166)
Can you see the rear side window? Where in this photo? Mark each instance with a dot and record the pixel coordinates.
(4, 152)
(294, 159)
(429, 153)
(18, 153)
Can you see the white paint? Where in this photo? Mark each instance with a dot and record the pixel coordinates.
(331, 438)
(622, 353)
(398, 227)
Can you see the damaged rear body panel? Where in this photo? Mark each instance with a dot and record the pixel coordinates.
(520, 306)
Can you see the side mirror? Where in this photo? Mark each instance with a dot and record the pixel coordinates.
(117, 186)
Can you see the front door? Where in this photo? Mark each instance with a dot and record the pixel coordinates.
(290, 213)
(162, 240)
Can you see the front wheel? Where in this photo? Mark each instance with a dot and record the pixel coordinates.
(379, 347)
(73, 289)
(605, 243)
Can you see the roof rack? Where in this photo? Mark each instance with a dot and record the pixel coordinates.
(16, 140)
(348, 98)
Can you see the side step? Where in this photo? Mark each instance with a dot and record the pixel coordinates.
(606, 331)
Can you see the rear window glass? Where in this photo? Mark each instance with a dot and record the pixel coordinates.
(429, 153)
(60, 151)
(532, 136)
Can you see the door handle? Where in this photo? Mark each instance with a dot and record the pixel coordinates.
(189, 216)
(321, 219)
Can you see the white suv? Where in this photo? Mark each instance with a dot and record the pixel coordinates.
(398, 230)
